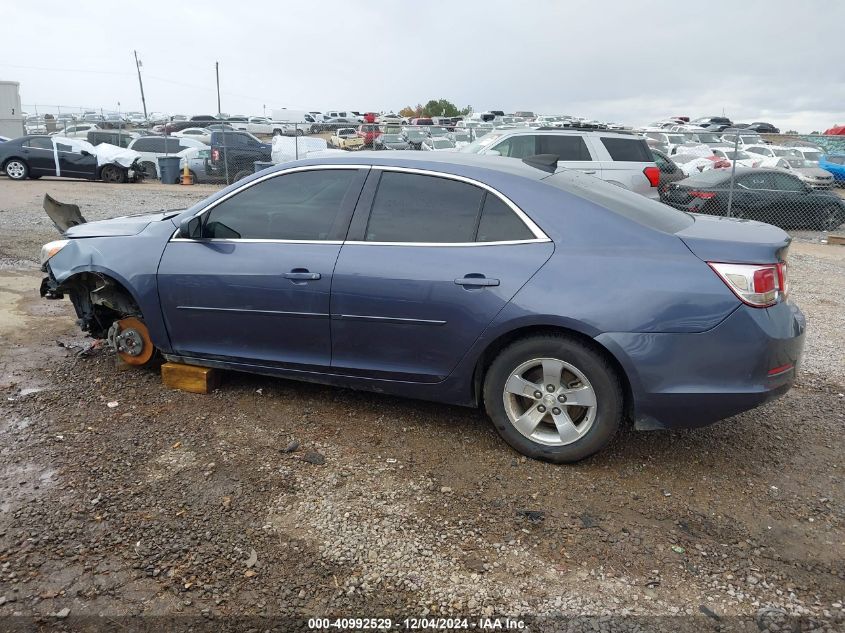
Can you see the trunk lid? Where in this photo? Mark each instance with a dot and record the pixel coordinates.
(732, 240)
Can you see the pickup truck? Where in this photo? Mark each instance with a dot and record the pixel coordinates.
(233, 154)
(346, 138)
(263, 125)
(369, 132)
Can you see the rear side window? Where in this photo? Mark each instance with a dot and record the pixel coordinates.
(414, 208)
(499, 223)
(627, 149)
(298, 206)
(566, 147)
(143, 145)
(40, 143)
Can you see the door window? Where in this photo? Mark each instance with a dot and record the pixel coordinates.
(757, 181)
(40, 143)
(786, 182)
(517, 146)
(297, 206)
(499, 223)
(411, 208)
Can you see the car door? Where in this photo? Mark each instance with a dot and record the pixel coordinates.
(74, 164)
(793, 205)
(253, 285)
(39, 155)
(431, 259)
(756, 197)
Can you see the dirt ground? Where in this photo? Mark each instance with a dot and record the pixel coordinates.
(271, 498)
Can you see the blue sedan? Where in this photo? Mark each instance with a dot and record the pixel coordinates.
(835, 164)
(559, 303)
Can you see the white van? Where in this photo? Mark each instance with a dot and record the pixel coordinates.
(303, 118)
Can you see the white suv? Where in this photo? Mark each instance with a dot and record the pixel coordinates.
(622, 159)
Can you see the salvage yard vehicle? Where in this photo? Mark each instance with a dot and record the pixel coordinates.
(392, 141)
(438, 144)
(346, 138)
(152, 147)
(326, 269)
(36, 156)
(233, 154)
(201, 134)
(415, 136)
(807, 171)
(770, 195)
(620, 158)
(835, 164)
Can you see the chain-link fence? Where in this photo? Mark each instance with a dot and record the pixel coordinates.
(789, 180)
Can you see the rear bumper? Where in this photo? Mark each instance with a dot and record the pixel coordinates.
(690, 380)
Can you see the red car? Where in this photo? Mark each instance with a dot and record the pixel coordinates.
(369, 132)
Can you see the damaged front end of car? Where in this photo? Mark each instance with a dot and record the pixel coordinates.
(76, 267)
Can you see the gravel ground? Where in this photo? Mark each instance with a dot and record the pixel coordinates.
(270, 498)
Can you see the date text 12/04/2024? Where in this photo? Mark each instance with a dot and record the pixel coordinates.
(442, 624)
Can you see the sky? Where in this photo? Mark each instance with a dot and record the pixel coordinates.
(628, 62)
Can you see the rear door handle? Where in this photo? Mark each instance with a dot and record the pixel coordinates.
(590, 171)
(476, 281)
(301, 274)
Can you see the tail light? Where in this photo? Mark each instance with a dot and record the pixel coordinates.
(215, 154)
(757, 285)
(704, 195)
(653, 175)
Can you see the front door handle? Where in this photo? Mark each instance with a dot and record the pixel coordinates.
(301, 274)
(476, 281)
(590, 171)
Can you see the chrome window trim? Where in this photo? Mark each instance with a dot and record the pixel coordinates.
(274, 174)
(539, 235)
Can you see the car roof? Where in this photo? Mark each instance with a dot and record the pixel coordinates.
(449, 163)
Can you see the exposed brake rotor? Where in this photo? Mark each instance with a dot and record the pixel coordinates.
(130, 338)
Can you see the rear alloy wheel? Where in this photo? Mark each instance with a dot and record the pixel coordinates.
(131, 339)
(17, 169)
(112, 174)
(553, 398)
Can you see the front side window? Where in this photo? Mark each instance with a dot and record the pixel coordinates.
(757, 182)
(414, 208)
(297, 206)
(786, 182)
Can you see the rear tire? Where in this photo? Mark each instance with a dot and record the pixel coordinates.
(16, 169)
(531, 390)
(242, 174)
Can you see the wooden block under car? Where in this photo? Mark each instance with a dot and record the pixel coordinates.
(836, 239)
(190, 377)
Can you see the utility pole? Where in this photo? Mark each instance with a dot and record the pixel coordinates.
(217, 72)
(140, 83)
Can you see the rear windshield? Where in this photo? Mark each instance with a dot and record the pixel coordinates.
(655, 215)
(630, 149)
